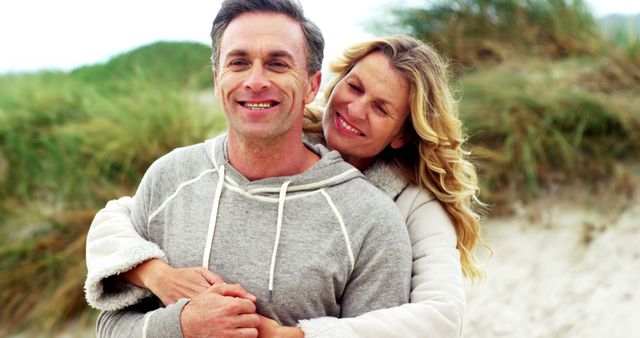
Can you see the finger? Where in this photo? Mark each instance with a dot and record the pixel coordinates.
(233, 290)
(245, 333)
(211, 277)
(236, 306)
(245, 321)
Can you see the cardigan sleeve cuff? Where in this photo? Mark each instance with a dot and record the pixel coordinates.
(104, 291)
(325, 327)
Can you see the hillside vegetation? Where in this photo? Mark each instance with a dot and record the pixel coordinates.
(546, 99)
(69, 142)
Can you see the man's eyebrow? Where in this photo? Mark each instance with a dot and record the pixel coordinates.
(237, 52)
(281, 54)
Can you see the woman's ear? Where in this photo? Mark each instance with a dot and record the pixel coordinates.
(398, 142)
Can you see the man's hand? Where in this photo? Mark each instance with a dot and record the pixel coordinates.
(269, 328)
(170, 284)
(223, 310)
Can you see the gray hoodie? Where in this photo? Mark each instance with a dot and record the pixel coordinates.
(321, 243)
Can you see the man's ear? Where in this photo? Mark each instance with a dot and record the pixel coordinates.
(215, 82)
(314, 86)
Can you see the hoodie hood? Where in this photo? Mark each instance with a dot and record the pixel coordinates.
(331, 170)
(386, 178)
(381, 174)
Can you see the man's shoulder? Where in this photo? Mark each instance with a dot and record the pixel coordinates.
(363, 185)
(182, 157)
(368, 212)
(185, 152)
(362, 197)
(180, 164)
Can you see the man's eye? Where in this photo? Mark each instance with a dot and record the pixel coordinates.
(278, 66)
(238, 63)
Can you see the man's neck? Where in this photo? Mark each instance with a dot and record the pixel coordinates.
(260, 158)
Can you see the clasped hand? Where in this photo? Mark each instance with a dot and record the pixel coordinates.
(216, 309)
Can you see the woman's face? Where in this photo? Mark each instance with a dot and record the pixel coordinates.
(367, 110)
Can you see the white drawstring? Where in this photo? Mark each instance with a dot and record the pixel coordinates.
(213, 218)
(283, 194)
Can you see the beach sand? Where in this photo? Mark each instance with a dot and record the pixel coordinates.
(563, 266)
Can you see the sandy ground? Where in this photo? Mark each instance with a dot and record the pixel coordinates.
(565, 266)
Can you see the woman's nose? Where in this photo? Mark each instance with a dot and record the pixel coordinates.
(357, 110)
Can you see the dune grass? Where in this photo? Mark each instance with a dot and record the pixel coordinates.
(535, 124)
(67, 145)
(63, 138)
(63, 172)
(624, 33)
(480, 31)
(43, 287)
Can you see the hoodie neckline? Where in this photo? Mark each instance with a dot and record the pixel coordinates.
(330, 170)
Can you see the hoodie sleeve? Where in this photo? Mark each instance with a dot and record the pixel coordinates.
(144, 320)
(437, 295)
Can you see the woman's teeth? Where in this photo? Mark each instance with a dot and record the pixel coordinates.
(348, 127)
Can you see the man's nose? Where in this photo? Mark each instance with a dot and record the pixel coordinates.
(257, 78)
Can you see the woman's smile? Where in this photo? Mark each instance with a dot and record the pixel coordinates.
(346, 127)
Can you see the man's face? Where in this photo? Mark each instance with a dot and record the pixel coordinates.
(261, 78)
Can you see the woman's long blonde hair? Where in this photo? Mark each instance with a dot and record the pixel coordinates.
(433, 156)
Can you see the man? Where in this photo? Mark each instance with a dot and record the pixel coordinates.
(298, 227)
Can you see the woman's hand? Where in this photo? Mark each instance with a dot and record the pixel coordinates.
(170, 284)
(269, 328)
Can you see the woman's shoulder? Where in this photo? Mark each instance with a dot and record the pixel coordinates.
(415, 194)
(424, 213)
(386, 178)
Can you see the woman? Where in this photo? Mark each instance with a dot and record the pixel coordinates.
(390, 113)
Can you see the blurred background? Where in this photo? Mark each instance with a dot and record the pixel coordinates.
(92, 92)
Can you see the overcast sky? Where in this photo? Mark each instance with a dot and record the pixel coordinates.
(64, 34)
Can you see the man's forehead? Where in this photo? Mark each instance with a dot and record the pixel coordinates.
(273, 33)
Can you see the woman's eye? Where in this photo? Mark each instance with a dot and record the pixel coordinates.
(354, 87)
(381, 109)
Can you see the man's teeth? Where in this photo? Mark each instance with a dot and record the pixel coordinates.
(348, 127)
(257, 105)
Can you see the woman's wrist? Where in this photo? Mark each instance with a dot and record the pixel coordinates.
(146, 273)
(290, 332)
